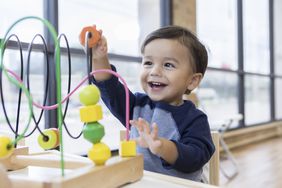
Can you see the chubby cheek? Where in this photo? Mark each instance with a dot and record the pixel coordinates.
(143, 80)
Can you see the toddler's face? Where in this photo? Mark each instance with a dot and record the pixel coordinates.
(166, 71)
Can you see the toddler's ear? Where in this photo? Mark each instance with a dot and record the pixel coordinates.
(195, 81)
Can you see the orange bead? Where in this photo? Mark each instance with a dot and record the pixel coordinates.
(95, 36)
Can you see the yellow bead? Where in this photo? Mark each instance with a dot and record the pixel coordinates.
(91, 113)
(6, 147)
(51, 140)
(89, 95)
(99, 153)
(127, 148)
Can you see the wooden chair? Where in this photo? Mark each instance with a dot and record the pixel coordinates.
(214, 161)
(213, 164)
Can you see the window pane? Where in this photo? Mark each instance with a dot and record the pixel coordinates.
(277, 37)
(12, 10)
(256, 36)
(217, 30)
(257, 104)
(120, 21)
(278, 99)
(218, 97)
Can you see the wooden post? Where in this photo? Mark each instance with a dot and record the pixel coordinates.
(214, 161)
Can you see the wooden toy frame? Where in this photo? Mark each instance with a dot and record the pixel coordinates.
(80, 171)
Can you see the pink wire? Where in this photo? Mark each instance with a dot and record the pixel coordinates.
(80, 84)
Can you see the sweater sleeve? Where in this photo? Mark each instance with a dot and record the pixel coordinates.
(195, 147)
(113, 95)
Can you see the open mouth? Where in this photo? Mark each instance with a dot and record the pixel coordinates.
(156, 85)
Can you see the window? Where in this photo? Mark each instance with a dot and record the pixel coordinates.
(278, 59)
(13, 10)
(120, 21)
(256, 36)
(257, 107)
(233, 35)
(218, 91)
(217, 30)
(256, 60)
(278, 102)
(217, 101)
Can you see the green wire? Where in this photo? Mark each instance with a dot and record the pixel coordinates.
(21, 85)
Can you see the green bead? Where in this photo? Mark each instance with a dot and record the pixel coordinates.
(93, 132)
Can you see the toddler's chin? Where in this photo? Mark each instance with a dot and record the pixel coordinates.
(155, 98)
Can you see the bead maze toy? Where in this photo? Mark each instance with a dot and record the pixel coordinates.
(100, 168)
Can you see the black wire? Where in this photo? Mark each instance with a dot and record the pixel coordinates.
(69, 86)
(88, 56)
(20, 90)
(47, 80)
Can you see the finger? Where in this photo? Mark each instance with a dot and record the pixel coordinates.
(104, 40)
(136, 139)
(100, 31)
(137, 125)
(132, 121)
(140, 122)
(145, 125)
(155, 131)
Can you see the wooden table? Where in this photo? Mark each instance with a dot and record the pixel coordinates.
(149, 179)
(153, 180)
(41, 171)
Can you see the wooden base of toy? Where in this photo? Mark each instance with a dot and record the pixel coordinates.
(79, 171)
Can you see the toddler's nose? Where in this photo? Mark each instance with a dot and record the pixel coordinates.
(156, 71)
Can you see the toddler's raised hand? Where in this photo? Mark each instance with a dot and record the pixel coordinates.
(97, 41)
(100, 50)
(147, 138)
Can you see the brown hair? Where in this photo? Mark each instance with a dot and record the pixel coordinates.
(195, 48)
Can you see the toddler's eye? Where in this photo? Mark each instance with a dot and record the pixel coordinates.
(147, 63)
(169, 65)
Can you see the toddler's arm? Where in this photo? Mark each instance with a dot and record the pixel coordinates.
(100, 58)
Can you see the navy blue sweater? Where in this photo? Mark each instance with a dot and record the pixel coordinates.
(184, 125)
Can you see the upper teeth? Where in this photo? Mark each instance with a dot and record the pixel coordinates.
(156, 83)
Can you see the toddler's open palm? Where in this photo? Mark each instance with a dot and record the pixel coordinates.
(147, 138)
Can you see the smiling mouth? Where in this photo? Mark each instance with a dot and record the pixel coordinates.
(156, 85)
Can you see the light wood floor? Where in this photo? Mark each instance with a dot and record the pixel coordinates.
(260, 166)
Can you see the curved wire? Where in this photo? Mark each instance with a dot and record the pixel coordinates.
(69, 85)
(20, 91)
(30, 46)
